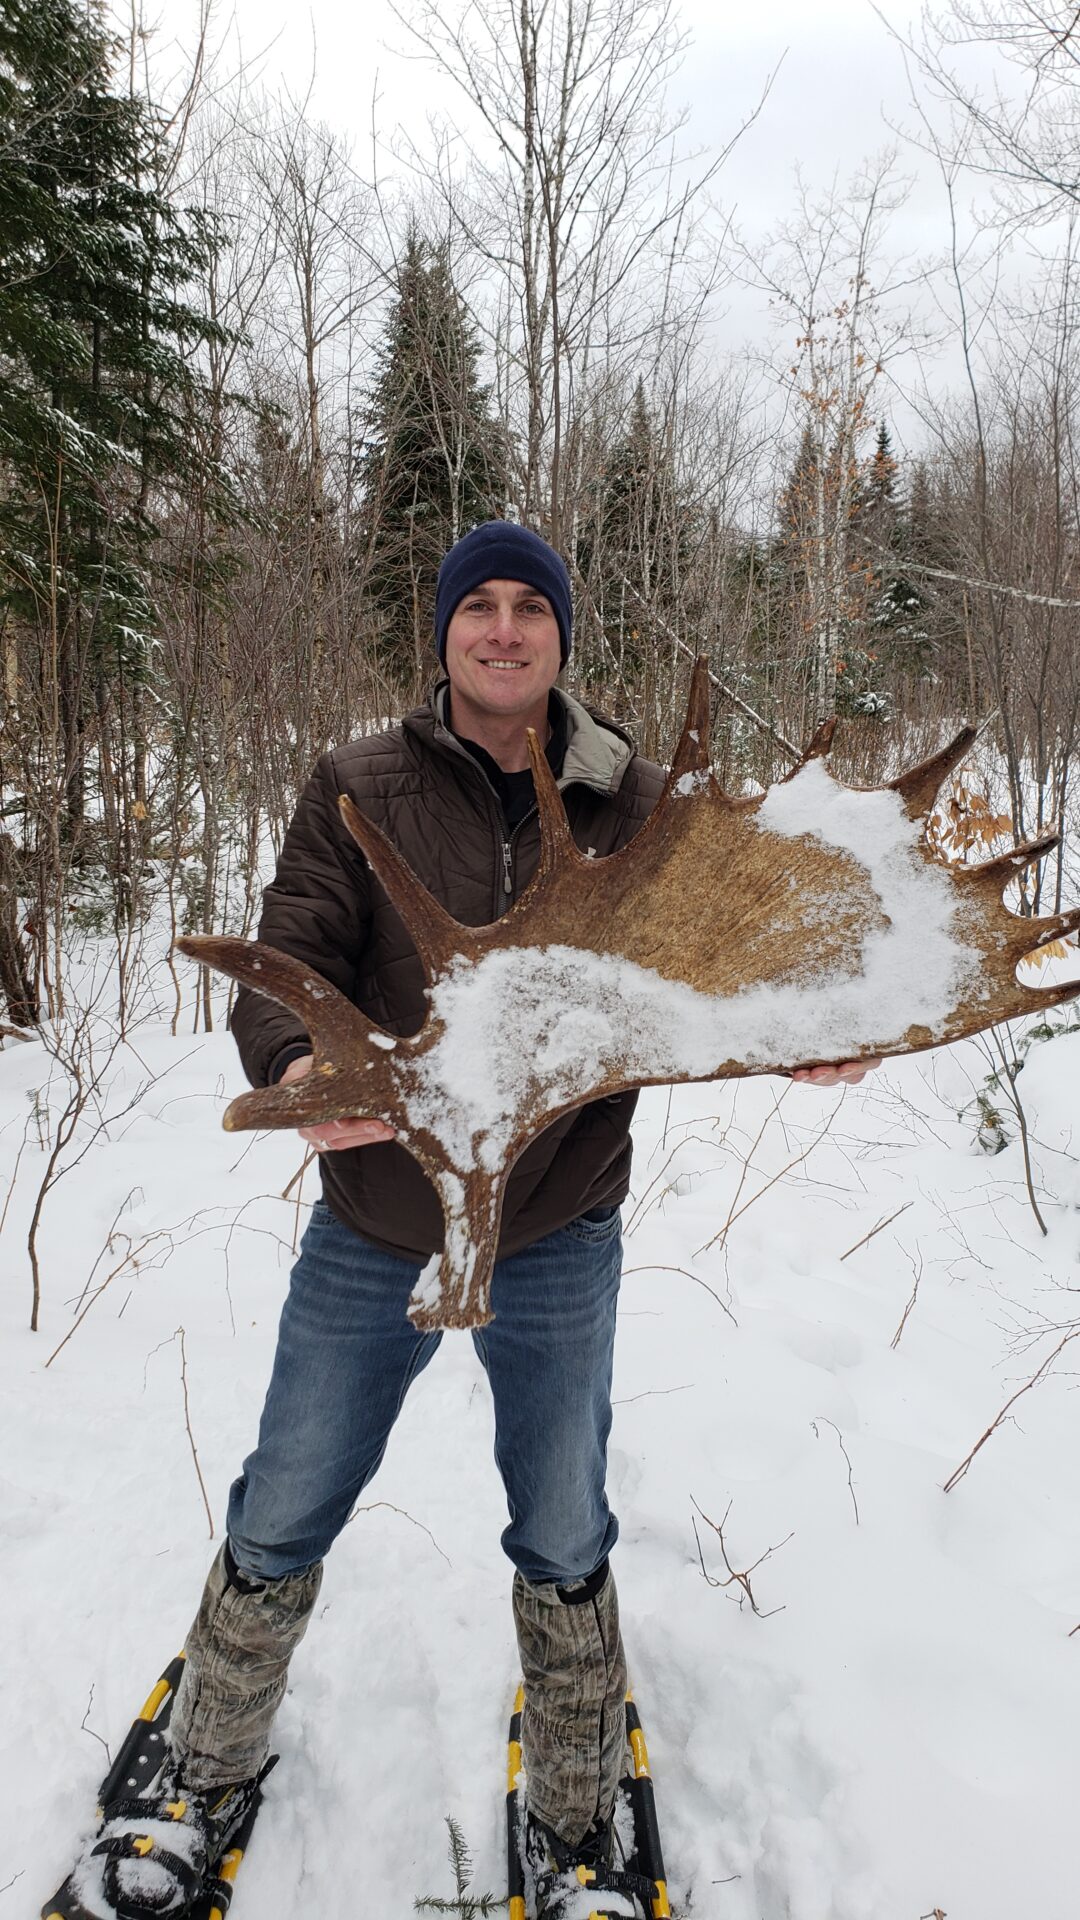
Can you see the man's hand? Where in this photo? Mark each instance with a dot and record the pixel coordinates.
(330, 1136)
(847, 1074)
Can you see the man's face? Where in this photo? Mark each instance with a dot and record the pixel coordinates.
(502, 651)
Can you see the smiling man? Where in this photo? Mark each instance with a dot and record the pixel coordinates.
(452, 787)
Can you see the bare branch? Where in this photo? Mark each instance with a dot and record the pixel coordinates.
(740, 1579)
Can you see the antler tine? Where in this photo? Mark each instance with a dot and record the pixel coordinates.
(692, 753)
(341, 1039)
(1040, 931)
(1006, 866)
(919, 786)
(556, 841)
(435, 934)
(331, 1020)
(819, 744)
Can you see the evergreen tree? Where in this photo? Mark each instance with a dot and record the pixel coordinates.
(632, 545)
(97, 389)
(433, 464)
(877, 499)
(796, 504)
(927, 627)
(864, 693)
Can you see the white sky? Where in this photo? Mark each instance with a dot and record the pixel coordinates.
(839, 95)
(840, 73)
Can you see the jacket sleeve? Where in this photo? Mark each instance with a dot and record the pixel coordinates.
(318, 909)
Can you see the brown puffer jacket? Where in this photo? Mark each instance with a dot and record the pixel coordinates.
(418, 783)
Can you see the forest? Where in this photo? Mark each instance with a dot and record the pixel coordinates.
(255, 381)
(257, 372)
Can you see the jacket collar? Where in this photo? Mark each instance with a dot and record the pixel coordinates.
(597, 751)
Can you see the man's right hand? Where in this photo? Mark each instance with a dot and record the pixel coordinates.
(331, 1136)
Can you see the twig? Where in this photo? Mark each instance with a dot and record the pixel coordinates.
(15, 1171)
(83, 1728)
(996, 1422)
(778, 1102)
(167, 1234)
(305, 1163)
(374, 1504)
(1011, 1071)
(844, 1451)
(645, 1204)
(735, 1577)
(881, 1223)
(253, 1141)
(190, 1435)
(131, 1258)
(918, 1272)
(107, 1244)
(686, 1273)
(736, 1213)
(629, 1398)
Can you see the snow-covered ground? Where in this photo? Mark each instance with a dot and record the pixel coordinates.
(891, 1733)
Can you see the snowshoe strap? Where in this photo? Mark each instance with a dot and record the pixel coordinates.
(601, 1880)
(133, 1846)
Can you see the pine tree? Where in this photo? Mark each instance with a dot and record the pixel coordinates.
(433, 464)
(97, 388)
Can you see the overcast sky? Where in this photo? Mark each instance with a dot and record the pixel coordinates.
(839, 94)
(839, 75)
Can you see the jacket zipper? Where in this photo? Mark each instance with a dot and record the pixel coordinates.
(505, 885)
(508, 851)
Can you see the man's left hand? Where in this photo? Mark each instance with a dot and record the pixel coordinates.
(847, 1074)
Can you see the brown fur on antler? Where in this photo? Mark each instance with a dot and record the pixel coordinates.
(730, 937)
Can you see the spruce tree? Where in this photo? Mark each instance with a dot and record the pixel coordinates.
(876, 507)
(896, 636)
(433, 464)
(97, 387)
(632, 546)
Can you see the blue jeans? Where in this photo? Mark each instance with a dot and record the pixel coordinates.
(347, 1355)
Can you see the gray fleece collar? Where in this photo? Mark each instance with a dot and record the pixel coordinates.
(596, 752)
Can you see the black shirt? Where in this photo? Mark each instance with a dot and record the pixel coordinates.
(517, 794)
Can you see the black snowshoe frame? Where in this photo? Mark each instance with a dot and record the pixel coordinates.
(137, 1763)
(635, 1786)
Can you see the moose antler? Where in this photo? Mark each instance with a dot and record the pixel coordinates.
(730, 937)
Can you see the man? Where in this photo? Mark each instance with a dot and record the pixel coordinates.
(452, 787)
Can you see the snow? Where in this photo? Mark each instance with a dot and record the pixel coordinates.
(690, 783)
(553, 1031)
(893, 1731)
(569, 1019)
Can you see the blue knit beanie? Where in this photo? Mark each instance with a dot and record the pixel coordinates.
(501, 550)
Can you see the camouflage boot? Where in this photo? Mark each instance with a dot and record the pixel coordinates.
(573, 1725)
(238, 1654)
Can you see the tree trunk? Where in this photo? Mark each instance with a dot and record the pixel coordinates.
(16, 983)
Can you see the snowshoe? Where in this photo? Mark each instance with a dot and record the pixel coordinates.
(616, 1871)
(160, 1849)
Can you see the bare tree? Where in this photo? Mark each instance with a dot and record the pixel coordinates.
(574, 185)
(831, 291)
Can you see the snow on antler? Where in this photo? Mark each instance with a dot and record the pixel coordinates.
(730, 937)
